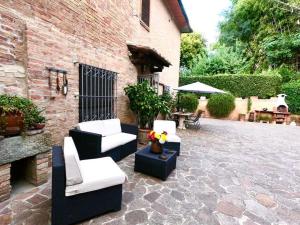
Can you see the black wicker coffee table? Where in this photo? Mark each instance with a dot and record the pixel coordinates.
(151, 164)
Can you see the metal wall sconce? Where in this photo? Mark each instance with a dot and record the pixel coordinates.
(64, 87)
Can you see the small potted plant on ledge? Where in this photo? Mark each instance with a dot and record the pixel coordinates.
(18, 114)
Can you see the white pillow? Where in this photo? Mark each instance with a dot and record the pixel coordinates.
(103, 127)
(72, 163)
(91, 126)
(110, 127)
(164, 125)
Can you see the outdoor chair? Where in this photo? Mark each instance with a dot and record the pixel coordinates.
(173, 141)
(83, 189)
(194, 121)
(102, 138)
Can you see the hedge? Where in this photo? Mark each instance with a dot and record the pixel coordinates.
(263, 86)
(292, 90)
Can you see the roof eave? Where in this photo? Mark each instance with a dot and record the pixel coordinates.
(187, 28)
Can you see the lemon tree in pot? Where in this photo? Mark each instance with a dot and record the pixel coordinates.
(146, 104)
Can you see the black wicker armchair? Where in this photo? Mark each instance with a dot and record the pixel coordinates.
(77, 208)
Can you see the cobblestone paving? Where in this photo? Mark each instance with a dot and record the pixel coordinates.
(229, 173)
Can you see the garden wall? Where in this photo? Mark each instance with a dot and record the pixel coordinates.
(241, 106)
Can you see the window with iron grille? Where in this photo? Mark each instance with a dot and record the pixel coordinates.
(145, 14)
(97, 93)
(153, 80)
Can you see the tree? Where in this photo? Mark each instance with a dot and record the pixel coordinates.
(192, 47)
(220, 60)
(260, 27)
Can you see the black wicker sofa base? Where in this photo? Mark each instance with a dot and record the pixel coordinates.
(77, 208)
(89, 144)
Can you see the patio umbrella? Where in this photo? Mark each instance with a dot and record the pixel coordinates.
(199, 87)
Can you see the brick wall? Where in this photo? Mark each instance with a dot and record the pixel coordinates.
(45, 33)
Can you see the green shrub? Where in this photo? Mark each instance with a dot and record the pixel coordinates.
(263, 86)
(188, 102)
(264, 118)
(292, 90)
(30, 111)
(221, 105)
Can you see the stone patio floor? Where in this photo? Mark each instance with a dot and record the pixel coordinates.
(229, 173)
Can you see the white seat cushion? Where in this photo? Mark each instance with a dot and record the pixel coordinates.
(97, 174)
(164, 125)
(72, 162)
(115, 140)
(103, 127)
(173, 138)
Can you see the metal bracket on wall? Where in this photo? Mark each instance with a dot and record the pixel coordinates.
(58, 87)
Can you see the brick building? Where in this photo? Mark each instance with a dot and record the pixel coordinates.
(94, 47)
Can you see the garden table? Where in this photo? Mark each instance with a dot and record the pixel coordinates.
(151, 164)
(182, 116)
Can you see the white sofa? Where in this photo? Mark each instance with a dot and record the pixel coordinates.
(173, 141)
(101, 138)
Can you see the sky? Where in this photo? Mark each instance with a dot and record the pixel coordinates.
(204, 16)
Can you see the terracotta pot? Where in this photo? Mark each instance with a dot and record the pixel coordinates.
(39, 126)
(242, 117)
(142, 136)
(251, 117)
(13, 123)
(156, 147)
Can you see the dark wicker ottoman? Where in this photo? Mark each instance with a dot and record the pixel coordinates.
(149, 163)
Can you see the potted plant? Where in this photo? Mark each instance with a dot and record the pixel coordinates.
(17, 114)
(146, 104)
(11, 116)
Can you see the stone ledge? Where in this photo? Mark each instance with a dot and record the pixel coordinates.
(16, 148)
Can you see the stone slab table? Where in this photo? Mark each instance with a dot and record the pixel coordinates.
(34, 150)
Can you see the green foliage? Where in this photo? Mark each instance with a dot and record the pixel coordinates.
(221, 60)
(192, 47)
(292, 90)
(264, 118)
(169, 101)
(282, 48)
(249, 104)
(288, 74)
(265, 33)
(145, 103)
(16, 104)
(188, 102)
(221, 105)
(263, 86)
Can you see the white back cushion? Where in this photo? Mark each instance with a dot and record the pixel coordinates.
(164, 125)
(72, 163)
(91, 126)
(103, 127)
(111, 126)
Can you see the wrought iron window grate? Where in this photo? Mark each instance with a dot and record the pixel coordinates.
(97, 93)
(153, 80)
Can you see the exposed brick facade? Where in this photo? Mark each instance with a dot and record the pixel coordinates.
(35, 34)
